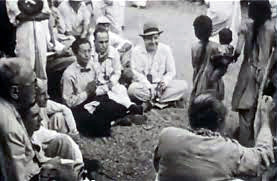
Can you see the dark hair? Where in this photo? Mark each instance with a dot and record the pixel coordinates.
(259, 11)
(203, 30)
(76, 44)
(225, 36)
(99, 29)
(203, 27)
(206, 111)
(9, 70)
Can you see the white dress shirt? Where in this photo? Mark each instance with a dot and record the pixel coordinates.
(161, 65)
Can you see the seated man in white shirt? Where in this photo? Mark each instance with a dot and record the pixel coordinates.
(57, 116)
(55, 151)
(153, 67)
(122, 45)
(90, 87)
(76, 17)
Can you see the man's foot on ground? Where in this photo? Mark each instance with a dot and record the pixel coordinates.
(147, 106)
(135, 109)
(137, 119)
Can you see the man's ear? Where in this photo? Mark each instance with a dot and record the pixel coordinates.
(14, 92)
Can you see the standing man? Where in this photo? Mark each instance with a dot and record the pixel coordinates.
(154, 69)
(31, 20)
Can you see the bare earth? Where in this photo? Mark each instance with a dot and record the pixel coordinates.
(127, 155)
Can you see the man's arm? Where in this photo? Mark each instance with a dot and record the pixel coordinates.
(13, 11)
(18, 152)
(241, 40)
(116, 68)
(54, 107)
(137, 68)
(170, 67)
(254, 160)
(69, 94)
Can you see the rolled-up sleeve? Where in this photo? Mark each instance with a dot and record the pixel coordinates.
(116, 67)
(13, 11)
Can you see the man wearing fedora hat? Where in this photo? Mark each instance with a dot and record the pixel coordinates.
(153, 67)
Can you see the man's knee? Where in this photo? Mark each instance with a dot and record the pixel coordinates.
(138, 91)
(60, 146)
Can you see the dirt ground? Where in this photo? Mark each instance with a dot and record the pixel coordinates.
(127, 155)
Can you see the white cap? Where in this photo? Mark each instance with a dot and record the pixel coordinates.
(102, 19)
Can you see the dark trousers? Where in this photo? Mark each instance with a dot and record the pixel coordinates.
(98, 123)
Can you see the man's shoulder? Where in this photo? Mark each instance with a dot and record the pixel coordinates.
(164, 46)
(70, 70)
(63, 5)
(113, 53)
(139, 49)
(8, 119)
(174, 132)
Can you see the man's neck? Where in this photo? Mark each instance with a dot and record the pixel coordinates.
(75, 6)
(84, 65)
(102, 56)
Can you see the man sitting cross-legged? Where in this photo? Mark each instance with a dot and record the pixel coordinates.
(90, 86)
(154, 69)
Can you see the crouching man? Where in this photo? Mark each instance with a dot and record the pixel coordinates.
(202, 153)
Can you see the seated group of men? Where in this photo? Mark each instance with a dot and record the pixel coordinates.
(32, 152)
(95, 85)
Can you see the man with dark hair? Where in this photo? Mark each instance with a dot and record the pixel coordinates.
(202, 153)
(76, 18)
(91, 89)
(257, 36)
(201, 53)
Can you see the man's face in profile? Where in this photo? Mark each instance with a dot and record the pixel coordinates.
(27, 90)
(33, 119)
(151, 42)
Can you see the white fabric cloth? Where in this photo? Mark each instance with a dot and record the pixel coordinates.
(54, 108)
(77, 23)
(116, 41)
(273, 4)
(18, 141)
(111, 69)
(225, 14)
(43, 136)
(31, 39)
(174, 91)
(161, 66)
(98, 9)
(74, 81)
(115, 12)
